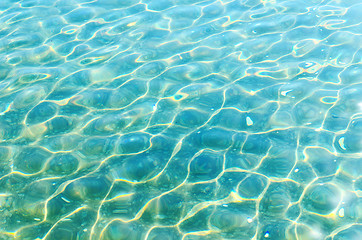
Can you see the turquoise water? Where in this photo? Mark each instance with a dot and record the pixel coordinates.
(180, 119)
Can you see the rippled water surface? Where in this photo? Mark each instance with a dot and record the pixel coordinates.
(180, 119)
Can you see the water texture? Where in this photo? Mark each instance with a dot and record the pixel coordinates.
(180, 119)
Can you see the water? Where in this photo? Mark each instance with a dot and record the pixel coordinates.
(180, 119)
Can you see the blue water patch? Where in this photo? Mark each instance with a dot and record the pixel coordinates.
(180, 119)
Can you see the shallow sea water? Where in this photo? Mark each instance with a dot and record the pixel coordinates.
(180, 119)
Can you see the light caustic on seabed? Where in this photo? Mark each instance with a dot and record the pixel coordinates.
(179, 119)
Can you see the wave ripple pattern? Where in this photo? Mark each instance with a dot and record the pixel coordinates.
(180, 119)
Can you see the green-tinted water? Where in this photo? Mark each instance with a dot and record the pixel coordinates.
(180, 119)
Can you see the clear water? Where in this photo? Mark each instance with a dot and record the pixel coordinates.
(180, 119)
